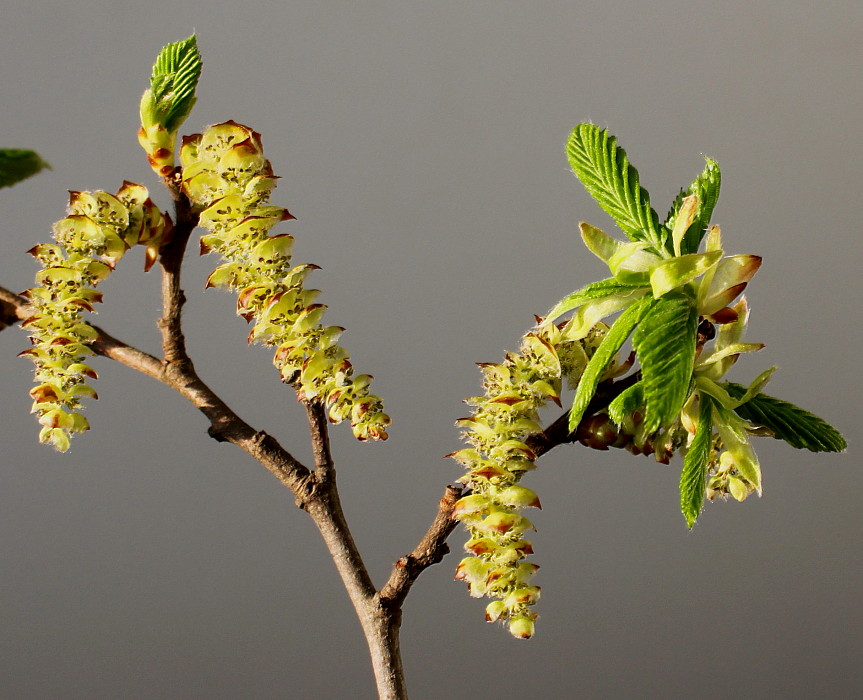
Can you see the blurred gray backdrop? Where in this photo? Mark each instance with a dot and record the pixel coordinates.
(421, 148)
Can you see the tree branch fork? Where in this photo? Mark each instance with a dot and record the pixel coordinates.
(315, 490)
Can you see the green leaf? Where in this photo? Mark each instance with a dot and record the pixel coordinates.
(591, 292)
(790, 423)
(683, 220)
(17, 164)
(604, 170)
(172, 85)
(611, 343)
(599, 242)
(626, 403)
(591, 313)
(693, 477)
(675, 272)
(665, 344)
(706, 187)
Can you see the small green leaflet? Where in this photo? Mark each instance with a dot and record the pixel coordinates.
(173, 82)
(693, 477)
(790, 423)
(626, 403)
(665, 344)
(611, 343)
(17, 164)
(592, 292)
(706, 186)
(604, 170)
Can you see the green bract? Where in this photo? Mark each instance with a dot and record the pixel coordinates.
(228, 179)
(99, 230)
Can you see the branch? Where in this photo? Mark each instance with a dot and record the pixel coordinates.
(13, 308)
(320, 434)
(315, 492)
(324, 506)
(432, 548)
(558, 433)
(171, 260)
(225, 425)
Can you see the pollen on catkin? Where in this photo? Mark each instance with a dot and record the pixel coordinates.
(498, 431)
(229, 181)
(90, 241)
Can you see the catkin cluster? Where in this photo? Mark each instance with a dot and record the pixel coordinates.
(98, 231)
(229, 181)
(498, 431)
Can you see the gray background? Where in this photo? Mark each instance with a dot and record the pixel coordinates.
(421, 148)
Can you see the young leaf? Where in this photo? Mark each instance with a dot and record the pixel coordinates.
(604, 170)
(665, 344)
(611, 343)
(675, 272)
(598, 241)
(592, 292)
(683, 220)
(172, 85)
(591, 313)
(694, 473)
(706, 187)
(626, 403)
(796, 426)
(17, 164)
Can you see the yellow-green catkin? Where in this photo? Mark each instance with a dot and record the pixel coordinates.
(498, 432)
(229, 181)
(90, 241)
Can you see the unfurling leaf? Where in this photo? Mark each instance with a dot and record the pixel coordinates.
(627, 402)
(606, 173)
(172, 85)
(706, 188)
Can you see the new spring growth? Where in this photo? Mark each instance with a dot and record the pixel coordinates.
(90, 241)
(168, 101)
(228, 179)
(677, 306)
(497, 430)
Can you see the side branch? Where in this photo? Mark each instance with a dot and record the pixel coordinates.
(320, 434)
(13, 308)
(432, 548)
(225, 425)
